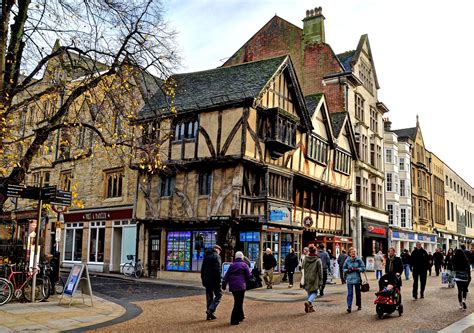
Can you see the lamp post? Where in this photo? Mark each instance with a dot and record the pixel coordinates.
(37, 237)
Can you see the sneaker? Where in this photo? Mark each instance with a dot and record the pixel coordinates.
(306, 307)
(290, 286)
(464, 306)
(311, 308)
(461, 307)
(211, 316)
(348, 310)
(359, 308)
(422, 296)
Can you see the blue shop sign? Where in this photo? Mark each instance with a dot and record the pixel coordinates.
(279, 214)
(433, 238)
(411, 236)
(395, 234)
(250, 236)
(421, 237)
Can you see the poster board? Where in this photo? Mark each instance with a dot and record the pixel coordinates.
(370, 264)
(78, 276)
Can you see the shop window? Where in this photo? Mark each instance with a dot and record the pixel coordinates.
(288, 241)
(317, 149)
(251, 244)
(167, 186)
(65, 180)
(73, 242)
(272, 241)
(96, 241)
(185, 250)
(114, 183)
(205, 183)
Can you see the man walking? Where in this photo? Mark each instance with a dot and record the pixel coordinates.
(340, 262)
(406, 260)
(419, 262)
(211, 279)
(326, 264)
(269, 263)
(438, 260)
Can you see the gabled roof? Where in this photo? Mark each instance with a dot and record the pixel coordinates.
(337, 122)
(312, 102)
(406, 133)
(340, 120)
(318, 102)
(363, 39)
(346, 59)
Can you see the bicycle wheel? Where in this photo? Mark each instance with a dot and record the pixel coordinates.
(59, 286)
(128, 269)
(39, 290)
(47, 287)
(138, 271)
(6, 291)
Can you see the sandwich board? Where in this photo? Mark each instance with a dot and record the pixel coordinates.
(79, 276)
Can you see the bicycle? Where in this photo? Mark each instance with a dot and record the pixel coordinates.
(132, 267)
(21, 285)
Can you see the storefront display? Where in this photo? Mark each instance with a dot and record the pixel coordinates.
(375, 238)
(250, 244)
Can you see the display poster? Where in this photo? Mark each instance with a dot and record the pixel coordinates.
(369, 264)
(225, 267)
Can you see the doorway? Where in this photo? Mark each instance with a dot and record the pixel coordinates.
(154, 253)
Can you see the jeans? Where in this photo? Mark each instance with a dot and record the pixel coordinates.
(268, 277)
(422, 276)
(325, 277)
(377, 273)
(462, 290)
(350, 294)
(238, 310)
(290, 276)
(407, 271)
(213, 297)
(312, 295)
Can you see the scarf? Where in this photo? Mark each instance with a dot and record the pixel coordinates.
(390, 266)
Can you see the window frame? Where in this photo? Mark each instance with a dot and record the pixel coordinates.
(167, 184)
(97, 226)
(74, 226)
(114, 190)
(205, 181)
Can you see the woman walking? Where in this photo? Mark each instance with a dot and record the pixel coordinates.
(236, 276)
(462, 276)
(448, 261)
(353, 267)
(291, 262)
(378, 264)
(313, 277)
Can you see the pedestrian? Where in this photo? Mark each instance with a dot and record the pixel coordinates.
(305, 253)
(394, 265)
(462, 273)
(430, 262)
(326, 265)
(291, 262)
(237, 276)
(313, 277)
(340, 261)
(353, 266)
(406, 260)
(466, 252)
(448, 261)
(211, 280)
(471, 261)
(378, 264)
(419, 264)
(438, 260)
(269, 264)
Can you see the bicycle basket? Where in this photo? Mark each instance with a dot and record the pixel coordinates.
(130, 256)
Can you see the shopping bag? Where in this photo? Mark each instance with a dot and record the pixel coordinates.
(444, 277)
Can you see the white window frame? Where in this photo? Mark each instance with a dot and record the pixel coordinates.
(72, 226)
(387, 155)
(95, 225)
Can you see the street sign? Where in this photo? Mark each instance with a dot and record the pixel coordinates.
(31, 192)
(12, 191)
(53, 195)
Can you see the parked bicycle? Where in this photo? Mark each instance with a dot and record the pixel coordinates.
(19, 284)
(132, 267)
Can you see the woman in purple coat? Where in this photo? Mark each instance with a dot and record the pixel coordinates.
(236, 276)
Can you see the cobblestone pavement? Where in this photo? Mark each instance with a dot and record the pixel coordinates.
(132, 290)
(275, 311)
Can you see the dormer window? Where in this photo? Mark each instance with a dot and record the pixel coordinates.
(186, 129)
(317, 149)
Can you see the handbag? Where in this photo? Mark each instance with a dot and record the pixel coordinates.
(365, 287)
(251, 283)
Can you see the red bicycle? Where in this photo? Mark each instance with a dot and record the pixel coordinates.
(19, 284)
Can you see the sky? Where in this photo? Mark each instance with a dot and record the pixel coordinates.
(421, 52)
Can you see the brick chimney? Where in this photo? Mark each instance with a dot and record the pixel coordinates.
(387, 125)
(313, 26)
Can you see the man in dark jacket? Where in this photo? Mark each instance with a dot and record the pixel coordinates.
(438, 260)
(406, 260)
(269, 263)
(419, 264)
(340, 261)
(211, 279)
(326, 264)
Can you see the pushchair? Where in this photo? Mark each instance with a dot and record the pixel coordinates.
(389, 297)
(448, 278)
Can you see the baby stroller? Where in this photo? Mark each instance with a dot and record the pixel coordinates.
(448, 278)
(389, 297)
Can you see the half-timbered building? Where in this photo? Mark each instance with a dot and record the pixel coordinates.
(248, 163)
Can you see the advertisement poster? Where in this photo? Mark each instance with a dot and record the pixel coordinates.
(225, 267)
(73, 279)
(369, 264)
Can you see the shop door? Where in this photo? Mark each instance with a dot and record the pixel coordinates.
(154, 256)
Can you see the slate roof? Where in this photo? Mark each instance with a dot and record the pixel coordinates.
(346, 58)
(215, 87)
(337, 122)
(406, 133)
(312, 101)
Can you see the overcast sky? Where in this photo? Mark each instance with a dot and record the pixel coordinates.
(422, 52)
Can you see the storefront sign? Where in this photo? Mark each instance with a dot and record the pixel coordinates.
(376, 230)
(250, 236)
(220, 218)
(280, 214)
(308, 221)
(119, 214)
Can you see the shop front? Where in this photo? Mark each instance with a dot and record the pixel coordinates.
(374, 238)
(402, 239)
(102, 238)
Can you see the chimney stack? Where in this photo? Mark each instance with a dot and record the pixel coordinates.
(387, 125)
(313, 26)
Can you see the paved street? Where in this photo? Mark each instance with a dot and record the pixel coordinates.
(438, 310)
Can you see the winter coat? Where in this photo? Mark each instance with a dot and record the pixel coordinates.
(237, 276)
(438, 258)
(378, 262)
(419, 260)
(269, 261)
(291, 262)
(313, 273)
(406, 258)
(462, 272)
(353, 268)
(211, 270)
(448, 262)
(394, 266)
(341, 260)
(324, 259)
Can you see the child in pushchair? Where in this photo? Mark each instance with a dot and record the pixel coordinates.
(389, 298)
